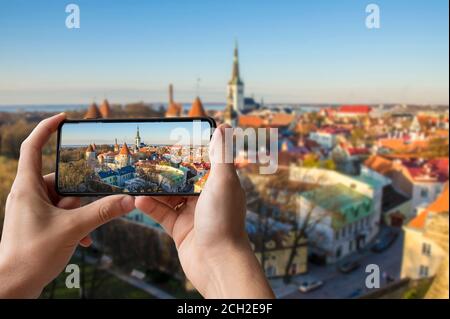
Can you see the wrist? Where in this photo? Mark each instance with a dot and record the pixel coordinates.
(236, 273)
(16, 280)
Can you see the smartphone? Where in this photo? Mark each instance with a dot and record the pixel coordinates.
(164, 156)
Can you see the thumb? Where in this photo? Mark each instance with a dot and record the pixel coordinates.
(102, 211)
(221, 149)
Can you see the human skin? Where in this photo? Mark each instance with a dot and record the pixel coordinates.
(209, 232)
(42, 230)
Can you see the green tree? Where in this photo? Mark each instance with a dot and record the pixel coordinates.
(73, 174)
(12, 137)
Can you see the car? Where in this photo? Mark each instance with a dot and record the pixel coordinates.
(349, 266)
(355, 293)
(381, 244)
(310, 285)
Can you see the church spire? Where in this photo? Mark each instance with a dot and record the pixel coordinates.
(138, 140)
(235, 76)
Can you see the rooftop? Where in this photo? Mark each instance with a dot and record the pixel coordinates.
(197, 109)
(441, 205)
(363, 109)
(347, 204)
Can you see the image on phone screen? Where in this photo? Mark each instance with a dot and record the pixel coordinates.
(151, 157)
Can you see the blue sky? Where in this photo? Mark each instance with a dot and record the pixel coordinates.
(151, 133)
(291, 51)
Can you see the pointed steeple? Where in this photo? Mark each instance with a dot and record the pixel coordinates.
(197, 109)
(235, 76)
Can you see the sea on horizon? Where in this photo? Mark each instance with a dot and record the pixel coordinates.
(52, 108)
(78, 107)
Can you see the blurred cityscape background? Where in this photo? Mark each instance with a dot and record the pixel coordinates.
(362, 118)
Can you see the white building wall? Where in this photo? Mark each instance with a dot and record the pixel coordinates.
(369, 225)
(413, 256)
(326, 140)
(424, 193)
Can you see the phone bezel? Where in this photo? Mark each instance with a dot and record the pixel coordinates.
(210, 120)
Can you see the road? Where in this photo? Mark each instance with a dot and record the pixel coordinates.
(338, 285)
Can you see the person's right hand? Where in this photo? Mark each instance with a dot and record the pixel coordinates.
(209, 232)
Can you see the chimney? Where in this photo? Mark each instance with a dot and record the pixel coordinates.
(170, 93)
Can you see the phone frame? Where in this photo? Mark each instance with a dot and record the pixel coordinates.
(210, 120)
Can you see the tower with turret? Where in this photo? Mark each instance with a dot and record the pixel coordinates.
(230, 116)
(116, 146)
(90, 154)
(137, 140)
(235, 85)
(124, 157)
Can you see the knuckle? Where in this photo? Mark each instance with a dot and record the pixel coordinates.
(104, 213)
(17, 194)
(24, 145)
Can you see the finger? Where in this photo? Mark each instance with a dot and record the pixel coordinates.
(86, 241)
(69, 203)
(91, 216)
(221, 151)
(171, 201)
(158, 211)
(30, 161)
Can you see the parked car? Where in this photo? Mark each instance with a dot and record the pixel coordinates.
(349, 266)
(310, 285)
(381, 244)
(355, 293)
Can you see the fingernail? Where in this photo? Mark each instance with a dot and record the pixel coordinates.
(127, 203)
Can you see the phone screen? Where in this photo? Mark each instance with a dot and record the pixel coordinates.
(145, 157)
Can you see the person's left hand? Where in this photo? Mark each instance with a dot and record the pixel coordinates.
(41, 229)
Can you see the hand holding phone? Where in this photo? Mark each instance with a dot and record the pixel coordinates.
(140, 157)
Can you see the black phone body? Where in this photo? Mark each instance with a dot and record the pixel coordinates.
(152, 156)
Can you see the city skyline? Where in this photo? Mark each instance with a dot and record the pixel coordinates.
(153, 133)
(297, 52)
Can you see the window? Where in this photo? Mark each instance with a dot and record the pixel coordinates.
(426, 249)
(438, 190)
(339, 252)
(423, 271)
(424, 192)
(336, 236)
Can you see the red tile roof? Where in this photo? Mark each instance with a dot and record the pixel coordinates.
(281, 119)
(437, 169)
(92, 112)
(197, 109)
(363, 109)
(251, 121)
(174, 109)
(357, 151)
(441, 205)
(105, 109)
(124, 150)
